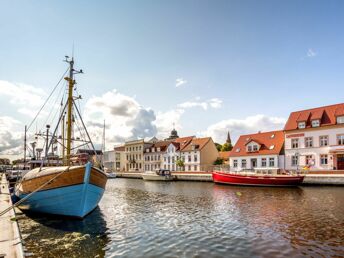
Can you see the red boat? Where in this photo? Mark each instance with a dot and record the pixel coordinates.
(255, 179)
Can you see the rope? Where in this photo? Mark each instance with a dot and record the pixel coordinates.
(29, 195)
(47, 99)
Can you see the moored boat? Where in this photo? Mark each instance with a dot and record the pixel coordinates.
(71, 185)
(254, 179)
(160, 175)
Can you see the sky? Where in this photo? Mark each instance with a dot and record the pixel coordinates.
(206, 67)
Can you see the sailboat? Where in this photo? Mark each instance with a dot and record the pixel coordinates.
(72, 185)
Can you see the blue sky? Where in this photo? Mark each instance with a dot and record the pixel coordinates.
(246, 64)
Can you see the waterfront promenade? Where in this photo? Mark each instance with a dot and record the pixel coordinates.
(310, 179)
(10, 241)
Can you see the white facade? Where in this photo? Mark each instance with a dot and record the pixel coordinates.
(153, 158)
(313, 146)
(258, 162)
(170, 157)
(109, 160)
(192, 160)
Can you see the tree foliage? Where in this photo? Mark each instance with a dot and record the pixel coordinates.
(226, 147)
(218, 146)
(218, 161)
(180, 163)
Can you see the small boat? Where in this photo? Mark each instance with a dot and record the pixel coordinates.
(254, 179)
(111, 175)
(70, 184)
(160, 175)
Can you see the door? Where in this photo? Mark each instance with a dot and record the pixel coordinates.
(253, 163)
(340, 161)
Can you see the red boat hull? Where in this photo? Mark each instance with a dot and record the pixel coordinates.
(235, 179)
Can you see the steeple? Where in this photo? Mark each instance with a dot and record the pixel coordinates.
(229, 141)
(174, 134)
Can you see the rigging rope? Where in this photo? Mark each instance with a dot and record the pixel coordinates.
(46, 101)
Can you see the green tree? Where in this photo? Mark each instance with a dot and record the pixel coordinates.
(180, 163)
(226, 147)
(218, 161)
(218, 146)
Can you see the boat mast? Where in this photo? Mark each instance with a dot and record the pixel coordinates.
(71, 83)
(70, 101)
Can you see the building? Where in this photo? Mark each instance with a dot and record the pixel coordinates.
(109, 160)
(260, 151)
(153, 155)
(134, 154)
(173, 153)
(94, 155)
(199, 154)
(315, 138)
(224, 155)
(120, 158)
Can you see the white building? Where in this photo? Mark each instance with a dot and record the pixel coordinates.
(261, 151)
(314, 138)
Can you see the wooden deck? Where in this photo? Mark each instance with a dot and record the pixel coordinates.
(10, 242)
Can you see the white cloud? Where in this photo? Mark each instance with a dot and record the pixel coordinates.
(212, 103)
(237, 127)
(165, 120)
(11, 136)
(124, 116)
(180, 82)
(311, 53)
(22, 94)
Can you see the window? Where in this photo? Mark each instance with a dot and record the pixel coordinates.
(272, 136)
(294, 143)
(189, 158)
(255, 147)
(315, 123)
(172, 159)
(302, 125)
(169, 159)
(195, 168)
(309, 160)
(323, 159)
(308, 142)
(165, 159)
(263, 162)
(340, 119)
(147, 150)
(271, 162)
(249, 148)
(189, 168)
(195, 158)
(237, 150)
(294, 160)
(243, 163)
(235, 163)
(271, 147)
(340, 139)
(323, 140)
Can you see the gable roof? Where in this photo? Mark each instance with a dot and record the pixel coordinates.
(224, 154)
(198, 142)
(266, 140)
(160, 144)
(327, 116)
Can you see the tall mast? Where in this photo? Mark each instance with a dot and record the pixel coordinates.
(71, 83)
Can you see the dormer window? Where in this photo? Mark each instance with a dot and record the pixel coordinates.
(340, 119)
(271, 147)
(272, 136)
(237, 150)
(316, 123)
(147, 150)
(301, 125)
(255, 148)
(249, 148)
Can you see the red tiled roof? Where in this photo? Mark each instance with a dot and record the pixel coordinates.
(200, 142)
(224, 154)
(184, 141)
(160, 144)
(326, 115)
(265, 139)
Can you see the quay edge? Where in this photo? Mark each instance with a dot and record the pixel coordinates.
(310, 179)
(10, 240)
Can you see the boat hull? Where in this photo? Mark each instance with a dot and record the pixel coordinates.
(255, 180)
(75, 192)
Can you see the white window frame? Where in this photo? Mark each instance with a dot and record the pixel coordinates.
(271, 162)
(309, 142)
(340, 139)
(295, 142)
(340, 119)
(316, 123)
(263, 162)
(301, 125)
(322, 140)
(294, 160)
(235, 163)
(323, 158)
(243, 163)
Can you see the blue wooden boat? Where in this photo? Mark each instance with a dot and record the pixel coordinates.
(70, 191)
(71, 185)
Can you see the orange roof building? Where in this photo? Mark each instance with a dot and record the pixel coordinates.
(314, 139)
(263, 150)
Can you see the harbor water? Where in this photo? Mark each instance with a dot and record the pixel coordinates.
(139, 218)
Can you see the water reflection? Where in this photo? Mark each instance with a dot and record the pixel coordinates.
(188, 219)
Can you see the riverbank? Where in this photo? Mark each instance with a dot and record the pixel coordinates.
(10, 240)
(310, 179)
